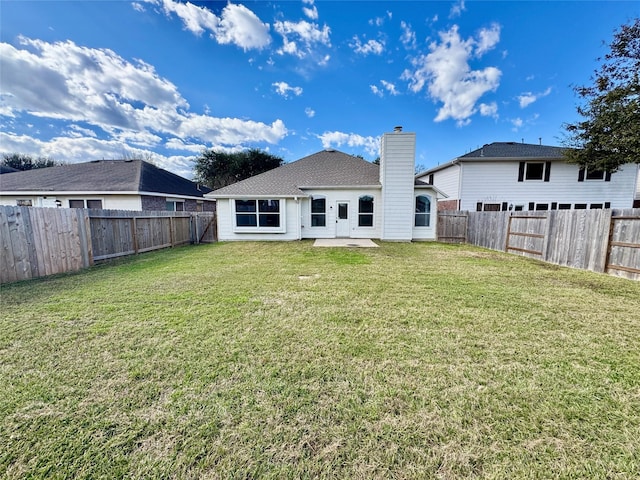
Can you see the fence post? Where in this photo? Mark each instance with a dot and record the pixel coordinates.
(134, 233)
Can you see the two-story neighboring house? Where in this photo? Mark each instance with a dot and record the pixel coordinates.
(518, 176)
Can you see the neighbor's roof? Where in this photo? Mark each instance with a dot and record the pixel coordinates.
(505, 151)
(328, 168)
(5, 169)
(131, 176)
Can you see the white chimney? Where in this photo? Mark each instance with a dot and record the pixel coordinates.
(397, 172)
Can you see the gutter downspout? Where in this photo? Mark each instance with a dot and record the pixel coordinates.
(457, 162)
(299, 216)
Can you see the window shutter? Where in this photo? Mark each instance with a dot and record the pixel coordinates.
(547, 171)
(521, 172)
(581, 175)
(607, 176)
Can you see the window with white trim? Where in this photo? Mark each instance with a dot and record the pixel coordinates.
(365, 211)
(318, 212)
(175, 205)
(81, 203)
(534, 171)
(423, 211)
(258, 214)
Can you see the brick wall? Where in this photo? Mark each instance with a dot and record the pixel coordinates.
(444, 205)
(160, 204)
(153, 203)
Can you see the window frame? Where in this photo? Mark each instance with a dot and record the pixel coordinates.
(318, 215)
(362, 214)
(527, 166)
(524, 171)
(260, 212)
(426, 214)
(85, 203)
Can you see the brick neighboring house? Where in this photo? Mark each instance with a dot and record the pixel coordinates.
(106, 184)
(518, 176)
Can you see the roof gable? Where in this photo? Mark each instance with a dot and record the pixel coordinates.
(101, 176)
(327, 168)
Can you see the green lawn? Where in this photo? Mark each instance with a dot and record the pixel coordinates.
(280, 360)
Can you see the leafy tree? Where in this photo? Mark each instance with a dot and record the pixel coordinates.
(20, 161)
(218, 169)
(609, 134)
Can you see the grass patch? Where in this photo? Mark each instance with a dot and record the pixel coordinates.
(280, 360)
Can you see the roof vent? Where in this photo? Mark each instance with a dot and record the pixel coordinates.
(330, 150)
(397, 128)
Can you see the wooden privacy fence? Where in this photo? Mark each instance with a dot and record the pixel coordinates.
(35, 242)
(600, 240)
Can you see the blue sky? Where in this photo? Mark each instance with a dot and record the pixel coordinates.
(164, 79)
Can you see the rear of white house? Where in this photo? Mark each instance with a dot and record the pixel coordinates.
(515, 176)
(333, 195)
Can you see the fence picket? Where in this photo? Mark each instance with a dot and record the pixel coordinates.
(36, 242)
(600, 240)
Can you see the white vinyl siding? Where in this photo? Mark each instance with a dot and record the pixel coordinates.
(227, 230)
(497, 182)
(447, 180)
(397, 168)
(333, 196)
(426, 233)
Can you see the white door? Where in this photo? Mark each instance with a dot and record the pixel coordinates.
(342, 219)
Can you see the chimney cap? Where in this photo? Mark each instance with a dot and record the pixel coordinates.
(397, 128)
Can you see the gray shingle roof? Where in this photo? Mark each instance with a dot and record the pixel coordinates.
(328, 168)
(101, 176)
(515, 150)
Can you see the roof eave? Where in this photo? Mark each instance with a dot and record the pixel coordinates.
(340, 187)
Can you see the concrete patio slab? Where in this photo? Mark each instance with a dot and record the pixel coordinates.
(344, 242)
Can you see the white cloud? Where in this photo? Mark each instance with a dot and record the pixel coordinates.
(379, 21)
(457, 9)
(372, 46)
(284, 89)
(231, 131)
(528, 98)
(517, 123)
(241, 27)
(195, 19)
(390, 87)
(448, 78)
(370, 144)
(408, 37)
(129, 102)
(85, 149)
(237, 24)
(138, 7)
(77, 131)
(489, 110)
(311, 11)
(309, 112)
(299, 38)
(488, 38)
